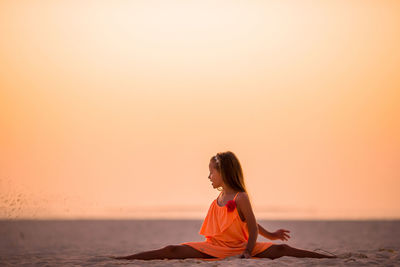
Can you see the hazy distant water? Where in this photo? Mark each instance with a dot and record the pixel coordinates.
(85, 243)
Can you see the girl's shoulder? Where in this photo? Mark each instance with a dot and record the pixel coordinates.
(242, 196)
(243, 205)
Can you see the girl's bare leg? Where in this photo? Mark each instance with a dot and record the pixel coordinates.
(277, 251)
(168, 252)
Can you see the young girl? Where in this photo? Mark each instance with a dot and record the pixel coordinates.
(230, 227)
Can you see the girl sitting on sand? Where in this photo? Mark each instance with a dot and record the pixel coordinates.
(230, 227)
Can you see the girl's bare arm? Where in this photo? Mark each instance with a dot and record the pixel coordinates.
(262, 231)
(244, 206)
(279, 234)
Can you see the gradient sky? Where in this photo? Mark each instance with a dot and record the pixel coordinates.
(112, 109)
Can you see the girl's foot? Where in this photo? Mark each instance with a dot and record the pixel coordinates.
(330, 257)
(116, 258)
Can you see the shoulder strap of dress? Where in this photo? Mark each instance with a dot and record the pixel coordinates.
(218, 196)
(235, 195)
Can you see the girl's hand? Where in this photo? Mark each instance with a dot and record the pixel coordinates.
(246, 254)
(281, 234)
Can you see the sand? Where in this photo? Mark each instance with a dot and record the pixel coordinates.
(87, 243)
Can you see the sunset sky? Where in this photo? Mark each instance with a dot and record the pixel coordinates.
(113, 109)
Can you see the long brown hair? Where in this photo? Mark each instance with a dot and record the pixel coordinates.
(231, 171)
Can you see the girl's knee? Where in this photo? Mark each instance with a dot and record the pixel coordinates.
(282, 247)
(276, 251)
(170, 248)
(282, 250)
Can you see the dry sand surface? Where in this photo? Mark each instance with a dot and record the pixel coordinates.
(88, 243)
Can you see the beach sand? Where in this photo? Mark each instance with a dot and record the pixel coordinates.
(89, 242)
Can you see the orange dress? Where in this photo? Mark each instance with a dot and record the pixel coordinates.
(226, 234)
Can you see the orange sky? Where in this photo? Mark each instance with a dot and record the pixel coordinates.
(113, 109)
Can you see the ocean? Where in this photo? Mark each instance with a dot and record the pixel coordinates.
(90, 242)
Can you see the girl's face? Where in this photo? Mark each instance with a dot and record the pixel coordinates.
(215, 176)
